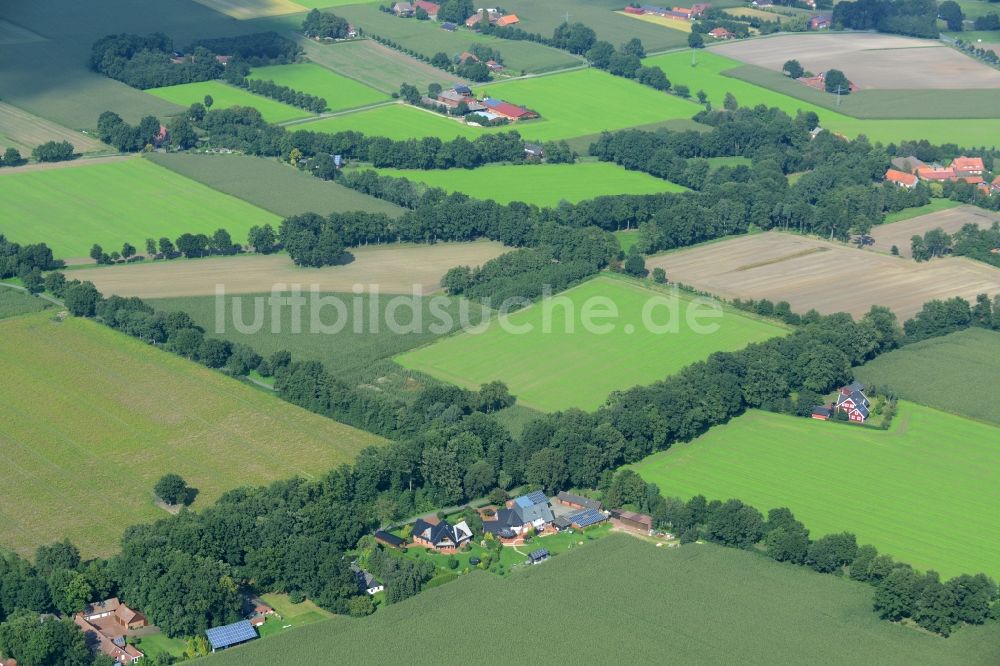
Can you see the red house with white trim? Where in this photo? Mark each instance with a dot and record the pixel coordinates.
(854, 402)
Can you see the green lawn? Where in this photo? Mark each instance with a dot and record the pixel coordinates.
(571, 367)
(339, 91)
(111, 203)
(396, 121)
(627, 238)
(118, 413)
(157, 644)
(935, 205)
(621, 600)
(272, 185)
(378, 66)
(291, 615)
(225, 96)
(428, 38)
(924, 491)
(708, 75)
(540, 184)
(957, 373)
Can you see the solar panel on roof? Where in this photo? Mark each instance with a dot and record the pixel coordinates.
(587, 517)
(536, 497)
(230, 634)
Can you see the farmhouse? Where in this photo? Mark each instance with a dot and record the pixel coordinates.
(852, 400)
(720, 33)
(577, 502)
(819, 23)
(531, 511)
(402, 9)
(430, 7)
(935, 173)
(633, 520)
(367, 583)
(901, 178)
(968, 166)
(442, 536)
(908, 164)
(492, 15)
(229, 635)
(682, 12)
(494, 66)
(106, 623)
(509, 19)
(508, 110)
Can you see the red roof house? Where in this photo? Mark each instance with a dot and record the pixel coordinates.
(430, 7)
(936, 174)
(720, 33)
(968, 166)
(634, 10)
(900, 178)
(819, 22)
(508, 110)
(995, 185)
(509, 19)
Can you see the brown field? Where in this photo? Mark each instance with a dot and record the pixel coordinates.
(251, 9)
(22, 130)
(395, 269)
(951, 220)
(830, 277)
(871, 61)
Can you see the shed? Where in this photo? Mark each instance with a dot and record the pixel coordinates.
(388, 539)
(632, 519)
(540, 555)
(226, 636)
(569, 499)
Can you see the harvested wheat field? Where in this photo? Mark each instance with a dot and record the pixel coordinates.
(22, 130)
(830, 277)
(872, 61)
(394, 269)
(951, 220)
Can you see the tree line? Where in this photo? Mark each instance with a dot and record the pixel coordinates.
(917, 18)
(900, 591)
(149, 61)
(969, 241)
(262, 239)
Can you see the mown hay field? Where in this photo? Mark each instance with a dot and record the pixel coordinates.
(252, 9)
(114, 202)
(540, 184)
(272, 185)
(375, 65)
(224, 96)
(676, 24)
(957, 373)
(555, 362)
(92, 418)
(428, 38)
(721, 602)
(22, 130)
(949, 219)
(339, 91)
(711, 74)
(812, 273)
(391, 268)
(895, 489)
(870, 60)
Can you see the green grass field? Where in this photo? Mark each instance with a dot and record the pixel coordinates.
(271, 185)
(566, 102)
(935, 205)
(710, 75)
(627, 238)
(923, 491)
(15, 302)
(339, 91)
(92, 418)
(957, 373)
(225, 96)
(292, 615)
(558, 369)
(540, 184)
(428, 38)
(621, 600)
(378, 66)
(111, 203)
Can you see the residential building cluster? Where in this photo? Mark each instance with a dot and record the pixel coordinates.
(691, 13)
(490, 108)
(908, 171)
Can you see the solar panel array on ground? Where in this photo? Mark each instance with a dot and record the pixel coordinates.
(587, 517)
(231, 634)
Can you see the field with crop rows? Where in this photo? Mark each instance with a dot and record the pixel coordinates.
(118, 414)
(111, 203)
(888, 487)
(957, 373)
(339, 91)
(720, 602)
(540, 184)
(375, 65)
(273, 186)
(22, 130)
(950, 219)
(759, 266)
(555, 363)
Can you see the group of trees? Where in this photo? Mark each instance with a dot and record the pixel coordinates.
(52, 151)
(11, 158)
(938, 317)
(989, 21)
(187, 244)
(900, 591)
(917, 18)
(325, 25)
(969, 241)
(626, 62)
(26, 262)
(284, 94)
(111, 129)
(150, 61)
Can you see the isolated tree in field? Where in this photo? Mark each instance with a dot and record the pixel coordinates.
(12, 157)
(950, 12)
(918, 248)
(696, 41)
(208, 101)
(793, 69)
(702, 96)
(172, 489)
(836, 82)
(894, 250)
(659, 276)
(53, 151)
(730, 103)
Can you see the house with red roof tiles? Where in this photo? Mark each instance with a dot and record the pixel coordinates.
(901, 178)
